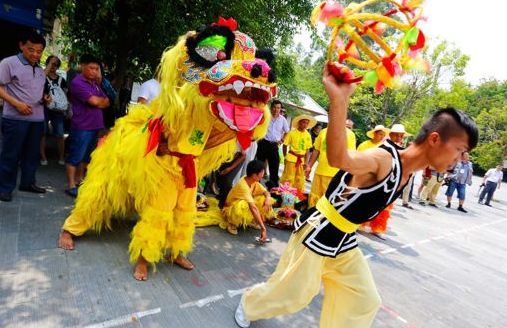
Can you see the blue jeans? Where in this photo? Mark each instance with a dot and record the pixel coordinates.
(20, 145)
(460, 187)
(81, 145)
(488, 191)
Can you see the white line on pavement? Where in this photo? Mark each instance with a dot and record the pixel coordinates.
(389, 250)
(203, 301)
(123, 320)
(233, 293)
(394, 314)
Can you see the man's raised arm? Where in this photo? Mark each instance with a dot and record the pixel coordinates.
(337, 153)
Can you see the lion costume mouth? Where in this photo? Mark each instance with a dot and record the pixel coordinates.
(238, 87)
(239, 103)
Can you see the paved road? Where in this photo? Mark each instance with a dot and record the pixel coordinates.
(437, 268)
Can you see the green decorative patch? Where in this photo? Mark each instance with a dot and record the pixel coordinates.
(301, 145)
(196, 137)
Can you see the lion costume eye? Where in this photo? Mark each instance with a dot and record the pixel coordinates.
(212, 48)
(210, 45)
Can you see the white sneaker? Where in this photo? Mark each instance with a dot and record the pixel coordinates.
(43, 162)
(61, 162)
(240, 317)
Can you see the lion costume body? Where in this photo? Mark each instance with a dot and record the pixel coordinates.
(214, 93)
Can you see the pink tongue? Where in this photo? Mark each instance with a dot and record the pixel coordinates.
(245, 118)
(242, 117)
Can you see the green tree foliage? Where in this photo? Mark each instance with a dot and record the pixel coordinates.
(420, 95)
(130, 35)
(492, 148)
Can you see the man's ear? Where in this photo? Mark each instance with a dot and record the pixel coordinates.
(433, 138)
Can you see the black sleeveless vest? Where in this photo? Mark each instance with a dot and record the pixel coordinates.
(357, 205)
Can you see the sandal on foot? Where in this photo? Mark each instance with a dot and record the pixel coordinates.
(262, 242)
(72, 192)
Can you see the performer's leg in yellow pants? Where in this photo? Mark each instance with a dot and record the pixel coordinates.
(350, 296)
(319, 187)
(295, 176)
(87, 214)
(167, 223)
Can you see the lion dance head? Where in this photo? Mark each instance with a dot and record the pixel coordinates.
(218, 71)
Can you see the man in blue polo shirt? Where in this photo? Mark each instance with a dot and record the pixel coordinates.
(21, 87)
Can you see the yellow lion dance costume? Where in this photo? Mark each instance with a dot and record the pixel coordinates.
(214, 93)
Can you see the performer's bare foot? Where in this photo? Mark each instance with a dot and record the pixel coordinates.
(183, 262)
(141, 269)
(66, 241)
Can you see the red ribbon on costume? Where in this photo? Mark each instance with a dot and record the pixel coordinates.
(244, 138)
(229, 23)
(421, 40)
(187, 165)
(156, 127)
(388, 64)
(299, 160)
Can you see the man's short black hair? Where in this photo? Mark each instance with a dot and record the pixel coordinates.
(276, 102)
(449, 122)
(88, 59)
(33, 37)
(254, 167)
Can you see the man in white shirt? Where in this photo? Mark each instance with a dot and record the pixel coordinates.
(148, 91)
(492, 181)
(268, 147)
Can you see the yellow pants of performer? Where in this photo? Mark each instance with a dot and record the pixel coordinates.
(165, 223)
(239, 213)
(350, 296)
(295, 176)
(431, 189)
(319, 187)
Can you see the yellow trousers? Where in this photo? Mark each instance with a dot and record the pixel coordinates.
(431, 189)
(166, 222)
(294, 176)
(319, 187)
(350, 296)
(239, 213)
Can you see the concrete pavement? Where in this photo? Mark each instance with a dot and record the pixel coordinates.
(437, 268)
